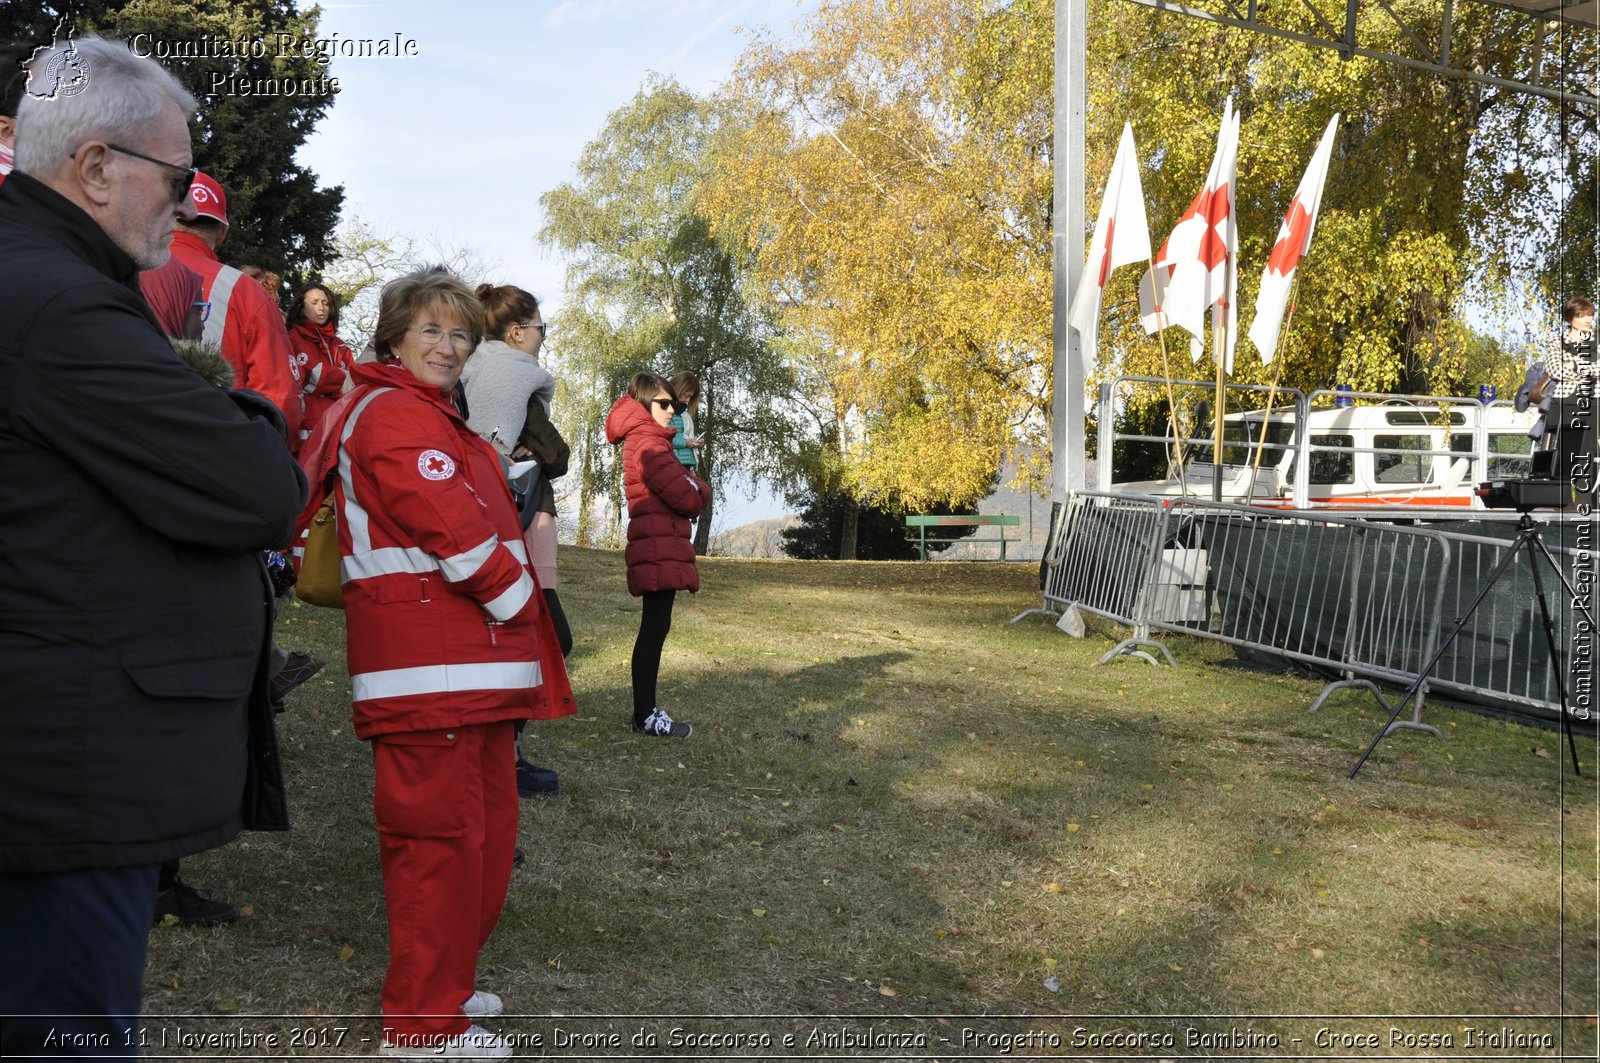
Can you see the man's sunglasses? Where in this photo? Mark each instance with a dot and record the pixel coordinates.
(180, 185)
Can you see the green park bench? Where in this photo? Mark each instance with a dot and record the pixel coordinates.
(1000, 521)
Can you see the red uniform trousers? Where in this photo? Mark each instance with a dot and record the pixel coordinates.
(446, 804)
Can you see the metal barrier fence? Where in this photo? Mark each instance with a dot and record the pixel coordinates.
(1099, 559)
(1501, 652)
(1365, 600)
(1343, 594)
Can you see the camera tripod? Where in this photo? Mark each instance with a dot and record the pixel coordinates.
(1528, 541)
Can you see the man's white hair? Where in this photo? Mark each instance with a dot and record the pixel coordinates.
(123, 94)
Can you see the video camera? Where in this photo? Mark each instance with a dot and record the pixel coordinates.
(1525, 495)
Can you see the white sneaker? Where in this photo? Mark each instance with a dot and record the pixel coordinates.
(475, 1043)
(659, 724)
(483, 1004)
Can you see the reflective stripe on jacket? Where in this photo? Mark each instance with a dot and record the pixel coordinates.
(446, 623)
(249, 329)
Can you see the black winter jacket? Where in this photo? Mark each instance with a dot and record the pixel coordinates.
(133, 604)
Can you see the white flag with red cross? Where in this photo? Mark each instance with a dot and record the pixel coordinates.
(1294, 240)
(1121, 236)
(1195, 267)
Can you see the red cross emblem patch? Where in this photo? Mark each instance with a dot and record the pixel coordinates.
(435, 465)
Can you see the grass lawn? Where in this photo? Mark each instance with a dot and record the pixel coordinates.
(896, 806)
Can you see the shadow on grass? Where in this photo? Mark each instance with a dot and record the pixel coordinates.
(829, 829)
(887, 790)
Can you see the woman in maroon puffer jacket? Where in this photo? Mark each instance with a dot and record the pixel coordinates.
(662, 498)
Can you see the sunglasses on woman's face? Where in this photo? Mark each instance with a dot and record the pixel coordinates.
(666, 404)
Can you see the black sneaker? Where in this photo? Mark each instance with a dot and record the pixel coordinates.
(534, 781)
(517, 856)
(296, 670)
(660, 725)
(188, 905)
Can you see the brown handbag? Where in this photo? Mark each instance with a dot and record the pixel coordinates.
(1539, 390)
(319, 582)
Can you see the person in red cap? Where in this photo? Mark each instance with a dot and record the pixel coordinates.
(243, 320)
(245, 323)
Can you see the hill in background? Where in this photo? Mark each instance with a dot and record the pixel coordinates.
(759, 538)
(762, 538)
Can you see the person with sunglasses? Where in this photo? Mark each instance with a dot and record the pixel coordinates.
(509, 398)
(663, 497)
(136, 501)
(243, 320)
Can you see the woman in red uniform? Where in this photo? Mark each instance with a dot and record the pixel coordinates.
(449, 645)
(324, 358)
(662, 498)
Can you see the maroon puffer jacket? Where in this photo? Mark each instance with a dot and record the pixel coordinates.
(662, 497)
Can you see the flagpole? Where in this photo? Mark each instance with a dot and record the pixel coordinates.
(1172, 404)
(1166, 376)
(1218, 345)
(1277, 373)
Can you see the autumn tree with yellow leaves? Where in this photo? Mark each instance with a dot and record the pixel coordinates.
(1433, 192)
(650, 288)
(893, 180)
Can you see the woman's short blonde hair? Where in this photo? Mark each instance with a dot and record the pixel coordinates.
(406, 297)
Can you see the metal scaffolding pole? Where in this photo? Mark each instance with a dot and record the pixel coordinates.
(1068, 430)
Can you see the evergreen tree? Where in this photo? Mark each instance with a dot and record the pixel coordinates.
(880, 534)
(250, 123)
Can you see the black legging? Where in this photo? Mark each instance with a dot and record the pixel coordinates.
(654, 623)
(558, 619)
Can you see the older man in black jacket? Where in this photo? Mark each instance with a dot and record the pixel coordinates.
(133, 601)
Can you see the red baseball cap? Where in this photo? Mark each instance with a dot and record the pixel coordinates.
(208, 199)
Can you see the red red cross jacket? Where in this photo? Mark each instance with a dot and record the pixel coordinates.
(446, 622)
(248, 326)
(324, 361)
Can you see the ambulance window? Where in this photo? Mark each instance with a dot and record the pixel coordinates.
(1510, 455)
(1402, 468)
(1333, 466)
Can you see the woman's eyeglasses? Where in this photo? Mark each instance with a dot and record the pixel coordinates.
(669, 404)
(204, 310)
(432, 334)
(542, 326)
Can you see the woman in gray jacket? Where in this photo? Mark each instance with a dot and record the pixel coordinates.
(509, 396)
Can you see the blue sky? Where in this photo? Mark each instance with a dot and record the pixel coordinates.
(459, 142)
(456, 145)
